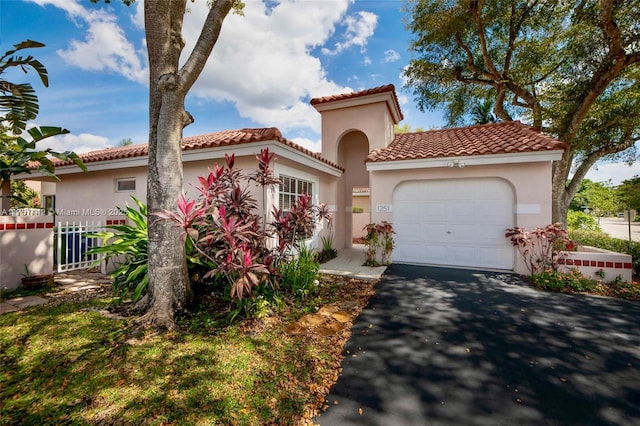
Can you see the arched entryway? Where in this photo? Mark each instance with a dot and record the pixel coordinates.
(353, 148)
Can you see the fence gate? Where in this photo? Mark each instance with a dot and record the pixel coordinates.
(72, 242)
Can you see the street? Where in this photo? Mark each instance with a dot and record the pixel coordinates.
(619, 228)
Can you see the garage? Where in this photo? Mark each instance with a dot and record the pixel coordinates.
(454, 222)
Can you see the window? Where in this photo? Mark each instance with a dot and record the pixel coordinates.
(125, 185)
(290, 188)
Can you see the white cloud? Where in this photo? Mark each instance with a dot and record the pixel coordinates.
(360, 27)
(105, 46)
(262, 61)
(83, 142)
(314, 146)
(367, 60)
(617, 172)
(391, 55)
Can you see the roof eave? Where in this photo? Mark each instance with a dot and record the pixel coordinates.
(386, 97)
(203, 154)
(470, 160)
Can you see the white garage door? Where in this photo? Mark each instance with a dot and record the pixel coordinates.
(458, 222)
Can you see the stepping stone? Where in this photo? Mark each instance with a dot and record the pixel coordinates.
(5, 307)
(328, 310)
(342, 317)
(330, 329)
(311, 320)
(26, 301)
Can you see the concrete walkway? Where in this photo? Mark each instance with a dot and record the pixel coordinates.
(69, 282)
(349, 263)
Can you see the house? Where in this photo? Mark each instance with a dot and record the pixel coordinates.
(450, 194)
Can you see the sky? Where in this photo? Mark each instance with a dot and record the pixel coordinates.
(263, 71)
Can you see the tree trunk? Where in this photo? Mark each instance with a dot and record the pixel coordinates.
(5, 193)
(169, 288)
(560, 200)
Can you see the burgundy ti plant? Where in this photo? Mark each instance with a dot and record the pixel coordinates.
(541, 248)
(228, 235)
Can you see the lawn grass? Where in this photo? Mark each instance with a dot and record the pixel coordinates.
(69, 364)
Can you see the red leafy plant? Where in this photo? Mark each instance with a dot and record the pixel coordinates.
(227, 235)
(541, 248)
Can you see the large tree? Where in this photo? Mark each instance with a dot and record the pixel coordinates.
(629, 193)
(599, 198)
(569, 68)
(169, 82)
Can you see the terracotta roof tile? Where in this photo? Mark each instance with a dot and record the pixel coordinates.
(485, 139)
(210, 140)
(373, 91)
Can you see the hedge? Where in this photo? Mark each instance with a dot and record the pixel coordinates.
(603, 241)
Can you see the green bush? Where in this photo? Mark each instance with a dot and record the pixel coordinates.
(581, 220)
(603, 241)
(130, 243)
(328, 252)
(299, 276)
(574, 282)
(357, 210)
(570, 282)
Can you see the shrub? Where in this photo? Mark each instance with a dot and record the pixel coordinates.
(327, 252)
(581, 220)
(379, 238)
(357, 210)
(128, 242)
(541, 248)
(228, 236)
(298, 276)
(603, 241)
(574, 282)
(570, 282)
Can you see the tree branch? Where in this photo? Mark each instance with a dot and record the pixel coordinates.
(498, 108)
(610, 68)
(476, 10)
(203, 47)
(626, 141)
(470, 60)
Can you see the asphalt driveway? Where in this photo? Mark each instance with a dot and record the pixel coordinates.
(440, 346)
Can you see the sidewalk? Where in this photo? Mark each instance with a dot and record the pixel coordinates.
(349, 263)
(69, 282)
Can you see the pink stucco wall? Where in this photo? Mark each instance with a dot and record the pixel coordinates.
(24, 240)
(92, 196)
(373, 120)
(531, 183)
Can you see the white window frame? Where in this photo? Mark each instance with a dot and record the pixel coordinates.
(281, 170)
(125, 179)
(293, 194)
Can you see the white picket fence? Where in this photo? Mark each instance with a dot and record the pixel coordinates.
(72, 244)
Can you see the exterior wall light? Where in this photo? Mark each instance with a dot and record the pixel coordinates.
(456, 163)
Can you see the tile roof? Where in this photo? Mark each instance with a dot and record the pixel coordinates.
(485, 139)
(210, 140)
(373, 91)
